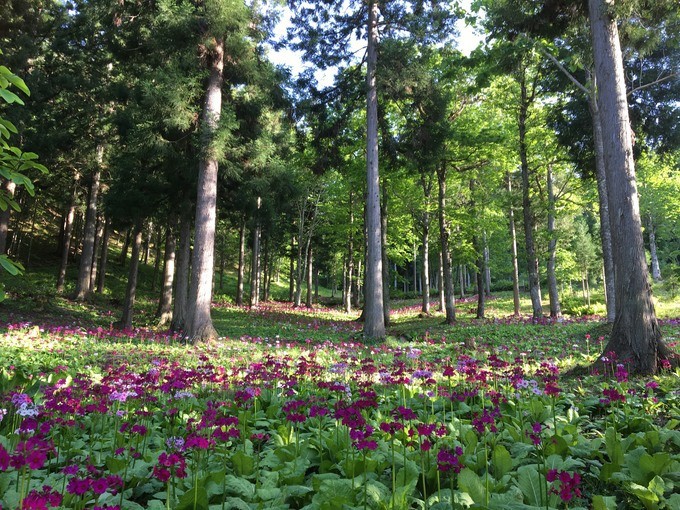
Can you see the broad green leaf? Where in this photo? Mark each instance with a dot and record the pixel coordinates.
(470, 482)
(530, 482)
(240, 487)
(647, 497)
(604, 502)
(501, 460)
(193, 499)
(613, 446)
(10, 97)
(232, 504)
(244, 465)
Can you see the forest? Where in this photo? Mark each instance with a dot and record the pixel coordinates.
(325, 255)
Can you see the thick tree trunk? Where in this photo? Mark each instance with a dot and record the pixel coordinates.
(179, 310)
(199, 323)
(241, 262)
(635, 336)
(129, 304)
(8, 187)
(85, 270)
(529, 220)
(654, 257)
(444, 234)
(605, 228)
(164, 312)
(68, 230)
(103, 260)
(374, 319)
(555, 310)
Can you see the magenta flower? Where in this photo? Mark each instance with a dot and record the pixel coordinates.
(41, 500)
(448, 460)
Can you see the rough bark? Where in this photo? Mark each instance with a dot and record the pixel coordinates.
(179, 309)
(605, 228)
(68, 230)
(8, 187)
(103, 260)
(164, 312)
(527, 209)
(241, 262)
(131, 290)
(555, 310)
(635, 336)
(199, 323)
(374, 319)
(444, 234)
(385, 259)
(85, 269)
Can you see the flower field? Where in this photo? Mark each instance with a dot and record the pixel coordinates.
(102, 419)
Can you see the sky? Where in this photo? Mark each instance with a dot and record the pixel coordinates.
(467, 41)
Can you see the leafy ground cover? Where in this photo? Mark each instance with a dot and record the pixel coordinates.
(290, 411)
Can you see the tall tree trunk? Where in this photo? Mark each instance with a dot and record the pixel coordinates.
(487, 268)
(147, 242)
(85, 270)
(385, 259)
(157, 257)
(555, 310)
(444, 235)
(125, 248)
(350, 256)
(529, 220)
(179, 310)
(605, 228)
(164, 312)
(8, 187)
(291, 270)
(99, 233)
(255, 264)
(461, 280)
(68, 230)
(131, 290)
(654, 257)
(440, 283)
(241, 261)
(425, 308)
(374, 318)
(513, 240)
(199, 323)
(310, 273)
(104, 257)
(635, 333)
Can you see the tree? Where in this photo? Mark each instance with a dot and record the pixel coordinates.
(635, 333)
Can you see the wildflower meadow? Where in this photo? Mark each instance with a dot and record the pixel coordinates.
(306, 417)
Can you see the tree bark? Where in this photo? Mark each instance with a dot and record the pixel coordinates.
(125, 248)
(241, 262)
(199, 323)
(605, 228)
(310, 273)
(99, 233)
(513, 242)
(529, 220)
(425, 308)
(103, 260)
(654, 257)
(179, 310)
(255, 264)
(8, 188)
(487, 268)
(440, 284)
(86, 257)
(385, 259)
(68, 230)
(374, 319)
(555, 310)
(131, 290)
(164, 312)
(635, 336)
(350, 257)
(157, 257)
(444, 234)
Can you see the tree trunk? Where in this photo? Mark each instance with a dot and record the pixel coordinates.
(96, 255)
(555, 310)
(85, 270)
(635, 336)
(125, 248)
(147, 242)
(157, 257)
(199, 323)
(444, 234)
(479, 274)
(487, 269)
(241, 262)
(68, 230)
(255, 264)
(529, 220)
(605, 228)
(164, 312)
(385, 259)
(291, 270)
(350, 256)
(513, 240)
(179, 310)
(656, 270)
(310, 273)
(8, 187)
(129, 304)
(104, 257)
(425, 308)
(461, 280)
(440, 284)
(374, 318)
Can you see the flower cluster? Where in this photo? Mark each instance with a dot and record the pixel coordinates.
(566, 486)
